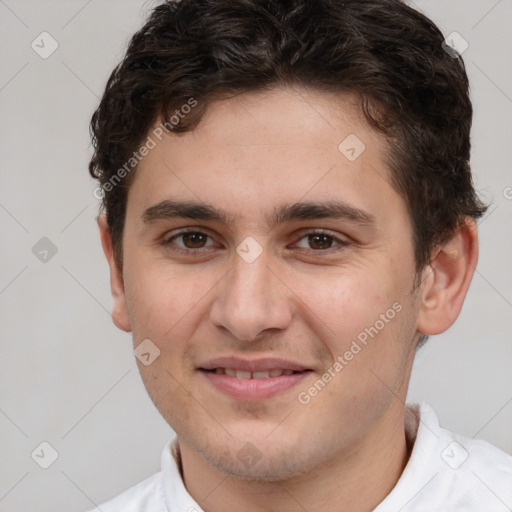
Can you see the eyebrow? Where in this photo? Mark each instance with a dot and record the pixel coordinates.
(169, 209)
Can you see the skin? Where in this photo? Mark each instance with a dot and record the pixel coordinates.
(346, 448)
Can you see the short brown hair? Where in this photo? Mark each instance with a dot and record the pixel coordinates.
(411, 89)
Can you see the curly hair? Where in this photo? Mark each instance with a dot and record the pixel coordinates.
(411, 88)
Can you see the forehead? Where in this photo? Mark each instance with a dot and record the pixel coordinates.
(254, 151)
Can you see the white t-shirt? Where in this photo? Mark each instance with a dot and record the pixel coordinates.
(446, 472)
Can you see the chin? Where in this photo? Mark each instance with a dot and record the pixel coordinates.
(249, 463)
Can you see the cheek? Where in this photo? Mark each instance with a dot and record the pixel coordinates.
(163, 300)
(367, 320)
(345, 302)
(369, 362)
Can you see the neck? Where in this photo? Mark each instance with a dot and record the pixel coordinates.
(355, 479)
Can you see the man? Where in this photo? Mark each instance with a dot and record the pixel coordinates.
(289, 214)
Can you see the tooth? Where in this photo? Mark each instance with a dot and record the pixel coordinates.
(230, 372)
(260, 375)
(287, 372)
(276, 373)
(219, 371)
(240, 374)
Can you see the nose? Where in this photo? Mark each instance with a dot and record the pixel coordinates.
(252, 300)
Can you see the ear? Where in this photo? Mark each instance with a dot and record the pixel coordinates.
(447, 278)
(120, 315)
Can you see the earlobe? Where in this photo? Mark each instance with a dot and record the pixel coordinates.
(120, 315)
(446, 280)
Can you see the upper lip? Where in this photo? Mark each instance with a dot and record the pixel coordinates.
(256, 365)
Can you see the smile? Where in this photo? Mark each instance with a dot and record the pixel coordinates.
(243, 374)
(244, 385)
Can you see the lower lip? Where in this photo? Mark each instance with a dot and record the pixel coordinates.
(254, 389)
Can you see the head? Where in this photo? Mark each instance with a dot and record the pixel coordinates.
(229, 112)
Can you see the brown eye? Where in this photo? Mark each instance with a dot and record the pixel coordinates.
(319, 241)
(191, 241)
(194, 240)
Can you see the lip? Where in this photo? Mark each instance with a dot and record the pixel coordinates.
(253, 389)
(256, 365)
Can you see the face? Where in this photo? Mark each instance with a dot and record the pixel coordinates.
(280, 322)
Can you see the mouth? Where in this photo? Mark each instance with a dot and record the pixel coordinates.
(246, 375)
(253, 380)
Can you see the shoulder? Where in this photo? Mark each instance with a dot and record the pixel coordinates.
(480, 462)
(471, 474)
(467, 454)
(448, 471)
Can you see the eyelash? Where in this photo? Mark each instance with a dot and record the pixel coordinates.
(167, 242)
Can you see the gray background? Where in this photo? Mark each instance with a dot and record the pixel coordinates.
(67, 375)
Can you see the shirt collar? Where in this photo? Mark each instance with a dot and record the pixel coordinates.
(177, 498)
(421, 430)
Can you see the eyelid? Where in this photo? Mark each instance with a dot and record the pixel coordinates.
(167, 240)
(312, 231)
